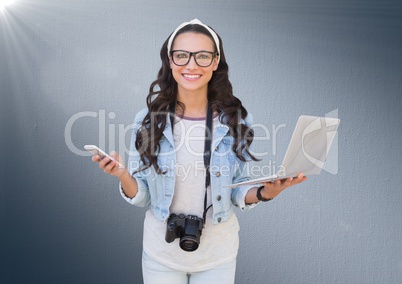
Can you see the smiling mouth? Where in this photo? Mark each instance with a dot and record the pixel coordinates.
(189, 76)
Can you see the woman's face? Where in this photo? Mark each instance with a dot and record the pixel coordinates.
(191, 77)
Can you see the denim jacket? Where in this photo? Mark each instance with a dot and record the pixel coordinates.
(156, 190)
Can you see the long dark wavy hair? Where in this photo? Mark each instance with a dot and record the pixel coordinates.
(162, 100)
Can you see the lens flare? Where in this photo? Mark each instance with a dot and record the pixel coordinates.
(5, 3)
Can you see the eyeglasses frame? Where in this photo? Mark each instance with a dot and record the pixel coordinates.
(192, 54)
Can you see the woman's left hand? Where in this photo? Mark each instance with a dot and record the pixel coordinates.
(272, 189)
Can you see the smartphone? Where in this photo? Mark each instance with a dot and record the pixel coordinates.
(95, 150)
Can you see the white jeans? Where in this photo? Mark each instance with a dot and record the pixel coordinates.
(155, 273)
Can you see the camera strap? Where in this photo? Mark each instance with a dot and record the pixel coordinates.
(207, 157)
(207, 151)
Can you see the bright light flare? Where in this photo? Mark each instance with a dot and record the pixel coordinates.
(5, 3)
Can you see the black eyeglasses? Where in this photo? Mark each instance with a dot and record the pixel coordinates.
(202, 58)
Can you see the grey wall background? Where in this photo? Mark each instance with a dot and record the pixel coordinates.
(63, 221)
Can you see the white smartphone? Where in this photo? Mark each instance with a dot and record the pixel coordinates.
(95, 150)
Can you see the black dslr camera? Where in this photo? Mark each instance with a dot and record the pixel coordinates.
(187, 228)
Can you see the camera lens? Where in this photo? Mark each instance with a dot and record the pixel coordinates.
(189, 243)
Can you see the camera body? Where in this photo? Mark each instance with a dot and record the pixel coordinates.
(187, 228)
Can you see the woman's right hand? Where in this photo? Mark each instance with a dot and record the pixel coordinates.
(110, 166)
(128, 183)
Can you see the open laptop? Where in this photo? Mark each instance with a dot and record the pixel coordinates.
(307, 150)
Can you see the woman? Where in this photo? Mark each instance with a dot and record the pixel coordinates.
(192, 140)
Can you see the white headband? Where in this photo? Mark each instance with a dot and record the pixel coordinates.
(192, 22)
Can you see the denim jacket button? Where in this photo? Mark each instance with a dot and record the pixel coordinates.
(218, 174)
(219, 219)
(219, 198)
(217, 148)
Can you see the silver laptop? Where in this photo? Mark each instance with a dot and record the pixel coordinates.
(307, 150)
